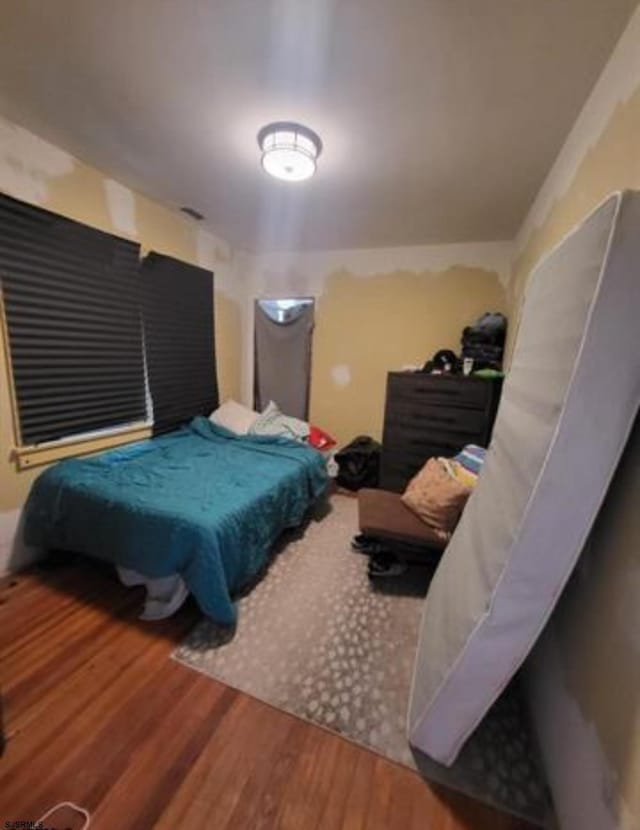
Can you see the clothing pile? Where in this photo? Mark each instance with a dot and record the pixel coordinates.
(359, 463)
(484, 341)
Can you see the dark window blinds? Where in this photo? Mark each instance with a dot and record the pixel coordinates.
(71, 295)
(179, 340)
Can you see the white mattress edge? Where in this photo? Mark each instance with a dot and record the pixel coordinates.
(447, 754)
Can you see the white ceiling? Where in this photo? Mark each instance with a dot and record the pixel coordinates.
(439, 118)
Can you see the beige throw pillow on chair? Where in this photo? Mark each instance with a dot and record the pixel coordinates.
(436, 497)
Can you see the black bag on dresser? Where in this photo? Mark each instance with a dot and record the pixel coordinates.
(359, 463)
(484, 341)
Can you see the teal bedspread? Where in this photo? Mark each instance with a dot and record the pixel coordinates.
(201, 502)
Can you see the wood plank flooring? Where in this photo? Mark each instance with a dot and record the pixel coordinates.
(95, 712)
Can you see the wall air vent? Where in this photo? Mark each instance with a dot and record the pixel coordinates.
(193, 213)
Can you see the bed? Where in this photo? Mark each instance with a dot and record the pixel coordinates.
(201, 502)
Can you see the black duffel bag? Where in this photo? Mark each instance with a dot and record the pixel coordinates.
(359, 463)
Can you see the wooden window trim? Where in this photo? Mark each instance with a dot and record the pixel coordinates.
(39, 454)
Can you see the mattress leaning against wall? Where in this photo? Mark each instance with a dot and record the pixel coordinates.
(567, 408)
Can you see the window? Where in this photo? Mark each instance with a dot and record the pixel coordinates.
(72, 307)
(179, 340)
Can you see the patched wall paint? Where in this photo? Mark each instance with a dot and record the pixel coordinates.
(584, 677)
(612, 163)
(341, 375)
(308, 270)
(376, 311)
(617, 83)
(121, 204)
(37, 172)
(573, 753)
(28, 164)
(601, 155)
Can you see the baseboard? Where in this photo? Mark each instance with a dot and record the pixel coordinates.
(14, 554)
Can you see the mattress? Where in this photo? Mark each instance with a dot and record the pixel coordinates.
(568, 404)
(201, 502)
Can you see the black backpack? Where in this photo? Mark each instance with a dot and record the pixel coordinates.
(359, 463)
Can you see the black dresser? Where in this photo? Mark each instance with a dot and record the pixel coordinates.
(427, 415)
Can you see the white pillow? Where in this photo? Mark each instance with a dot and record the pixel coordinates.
(234, 416)
(273, 422)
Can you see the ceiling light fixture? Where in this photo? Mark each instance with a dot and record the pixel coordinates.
(289, 150)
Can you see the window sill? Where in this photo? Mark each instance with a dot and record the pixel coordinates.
(37, 455)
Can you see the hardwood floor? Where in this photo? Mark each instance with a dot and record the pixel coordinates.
(95, 712)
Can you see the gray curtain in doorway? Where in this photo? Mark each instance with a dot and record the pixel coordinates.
(283, 358)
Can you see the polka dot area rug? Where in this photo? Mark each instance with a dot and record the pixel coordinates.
(318, 639)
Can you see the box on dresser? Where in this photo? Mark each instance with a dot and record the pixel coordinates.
(431, 415)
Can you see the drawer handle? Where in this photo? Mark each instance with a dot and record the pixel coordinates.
(425, 391)
(432, 419)
(418, 442)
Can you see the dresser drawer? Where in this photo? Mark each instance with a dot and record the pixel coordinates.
(395, 480)
(414, 387)
(421, 447)
(395, 476)
(398, 469)
(410, 417)
(432, 415)
(413, 440)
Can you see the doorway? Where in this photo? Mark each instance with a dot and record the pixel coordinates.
(283, 330)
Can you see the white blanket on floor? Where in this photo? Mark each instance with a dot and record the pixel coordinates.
(165, 595)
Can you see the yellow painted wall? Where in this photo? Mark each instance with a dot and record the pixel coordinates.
(35, 171)
(590, 714)
(228, 327)
(598, 637)
(612, 163)
(367, 326)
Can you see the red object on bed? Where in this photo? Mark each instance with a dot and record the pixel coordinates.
(320, 439)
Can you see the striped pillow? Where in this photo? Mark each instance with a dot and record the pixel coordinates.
(467, 464)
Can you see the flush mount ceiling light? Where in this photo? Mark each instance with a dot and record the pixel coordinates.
(289, 150)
